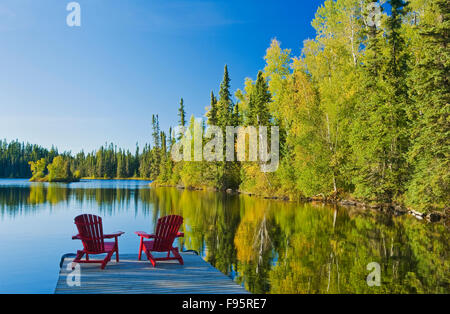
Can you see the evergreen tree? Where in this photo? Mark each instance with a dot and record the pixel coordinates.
(236, 117)
(182, 113)
(380, 141)
(225, 103)
(212, 112)
(430, 128)
(136, 162)
(374, 37)
(156, 131)
(121, 170)
(258, 112)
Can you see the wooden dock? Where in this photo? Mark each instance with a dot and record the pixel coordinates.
(131, 276)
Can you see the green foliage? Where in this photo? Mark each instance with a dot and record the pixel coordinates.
(38, 169)
(15, 158)
(430, 127)
(107, 162)
(258, 105)
(225, 103)
(363, 111)
(59, 170)
(212, 111)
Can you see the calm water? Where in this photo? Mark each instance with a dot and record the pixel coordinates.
(268, 246)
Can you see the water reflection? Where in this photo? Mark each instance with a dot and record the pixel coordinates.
(269, 246)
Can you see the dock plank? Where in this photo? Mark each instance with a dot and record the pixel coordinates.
(131, 276)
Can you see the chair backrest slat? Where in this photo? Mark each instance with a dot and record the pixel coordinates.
(166, 232)
(90, 229)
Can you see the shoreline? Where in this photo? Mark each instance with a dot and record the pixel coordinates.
(123, 179)
(45, 180)
(78, 180)
(391, 208)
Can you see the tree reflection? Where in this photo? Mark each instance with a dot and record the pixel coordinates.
(274, 247)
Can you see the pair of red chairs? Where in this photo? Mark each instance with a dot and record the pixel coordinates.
(90, 232)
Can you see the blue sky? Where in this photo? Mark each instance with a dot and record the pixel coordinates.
(80, 87)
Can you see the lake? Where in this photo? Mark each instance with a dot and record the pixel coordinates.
(268, 246)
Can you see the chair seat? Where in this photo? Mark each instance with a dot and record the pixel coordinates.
(149, 245)
(109, 246)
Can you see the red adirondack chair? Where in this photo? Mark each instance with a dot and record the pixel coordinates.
(162, 241)
(90, 232)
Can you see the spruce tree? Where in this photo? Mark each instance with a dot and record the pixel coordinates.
(155, 153)
(163, 145)
(212, 112)
(380, 138)
(155, 134)
(258, 103)
(374, 37)
(227, 172)
(236, 116)
(136, 161)
(430, 129)
(225, 103)
(182, 113)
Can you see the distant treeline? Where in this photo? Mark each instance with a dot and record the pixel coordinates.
(14, 158)
(106, 162)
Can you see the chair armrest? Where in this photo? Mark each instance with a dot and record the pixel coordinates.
(113, 235)
(145, 234)
(79, 237)
(180, 235)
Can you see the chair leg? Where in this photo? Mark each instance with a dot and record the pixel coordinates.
(107, 259)
(77, 258)
(177, 255)
(117, 250)
(150, 257)
(141, 247)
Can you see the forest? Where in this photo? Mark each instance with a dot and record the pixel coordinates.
(363, 113)
(20, 160)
